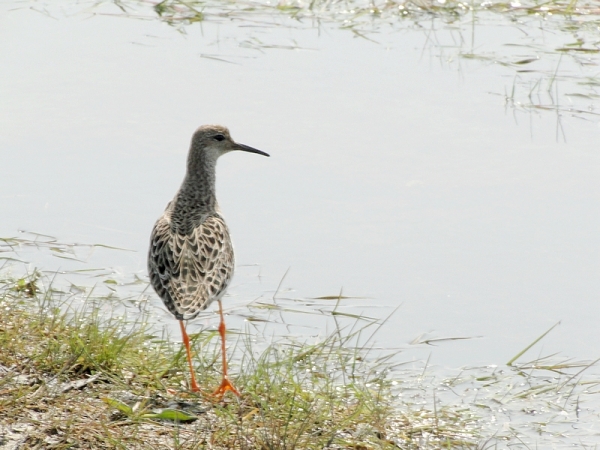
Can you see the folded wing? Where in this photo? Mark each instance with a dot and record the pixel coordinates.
(189, 271)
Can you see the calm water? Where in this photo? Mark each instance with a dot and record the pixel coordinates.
(397, 171)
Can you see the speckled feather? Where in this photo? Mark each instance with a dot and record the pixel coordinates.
(190, 271)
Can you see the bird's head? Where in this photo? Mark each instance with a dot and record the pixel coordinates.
(212, 141)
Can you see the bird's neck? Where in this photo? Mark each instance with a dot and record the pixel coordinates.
(196, 198)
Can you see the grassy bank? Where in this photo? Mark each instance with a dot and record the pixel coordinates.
(76, 374)
(73, 376)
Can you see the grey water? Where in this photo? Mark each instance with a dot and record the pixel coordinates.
(400, 173)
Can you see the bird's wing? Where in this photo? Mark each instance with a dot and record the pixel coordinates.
(189, 271)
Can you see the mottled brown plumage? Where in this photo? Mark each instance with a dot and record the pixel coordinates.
(190, 270)
(190, 260)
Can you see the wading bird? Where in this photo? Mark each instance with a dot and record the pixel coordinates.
(190, 261)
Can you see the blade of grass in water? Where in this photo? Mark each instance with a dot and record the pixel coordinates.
(522, 352)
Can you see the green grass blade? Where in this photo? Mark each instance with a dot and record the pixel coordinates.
(522, 352)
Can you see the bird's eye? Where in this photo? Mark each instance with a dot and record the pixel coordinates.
(218, 137)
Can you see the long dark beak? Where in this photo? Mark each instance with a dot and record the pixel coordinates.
(247, 148)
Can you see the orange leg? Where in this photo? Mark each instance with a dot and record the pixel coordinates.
(225, 383)
(186, 342)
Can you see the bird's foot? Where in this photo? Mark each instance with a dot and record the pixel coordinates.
(224, 387)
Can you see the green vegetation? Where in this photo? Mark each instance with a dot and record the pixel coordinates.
(74, 374)
(356, 11)
(78, 378)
